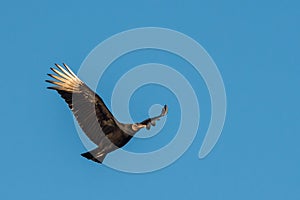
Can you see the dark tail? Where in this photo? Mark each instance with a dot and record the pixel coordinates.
(95, 155)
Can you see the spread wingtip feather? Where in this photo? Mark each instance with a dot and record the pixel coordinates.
(66, 79)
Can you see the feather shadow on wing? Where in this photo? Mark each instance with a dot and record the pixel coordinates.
(92, 115)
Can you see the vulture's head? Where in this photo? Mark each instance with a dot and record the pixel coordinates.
(136, 127)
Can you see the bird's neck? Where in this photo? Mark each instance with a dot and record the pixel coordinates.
(126, 128)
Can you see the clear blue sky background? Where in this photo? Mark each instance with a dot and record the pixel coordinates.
(256, 47)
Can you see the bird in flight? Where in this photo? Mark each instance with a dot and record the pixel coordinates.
(92, 115)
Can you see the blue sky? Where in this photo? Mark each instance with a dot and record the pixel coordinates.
(256, 47)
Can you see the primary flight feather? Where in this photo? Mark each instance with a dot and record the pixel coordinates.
(94, 118)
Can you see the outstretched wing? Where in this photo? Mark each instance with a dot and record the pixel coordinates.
(152, 121)
(89, 109)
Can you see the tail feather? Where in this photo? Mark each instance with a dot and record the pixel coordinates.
(94, 156)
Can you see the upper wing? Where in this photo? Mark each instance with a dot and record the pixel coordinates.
(89, 109)
(152, 121)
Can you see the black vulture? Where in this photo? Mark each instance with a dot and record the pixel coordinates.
(94, 118)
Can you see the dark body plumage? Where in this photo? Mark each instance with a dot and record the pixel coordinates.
(93, 116)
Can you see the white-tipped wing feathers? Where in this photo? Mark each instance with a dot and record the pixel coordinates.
(89, 109)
